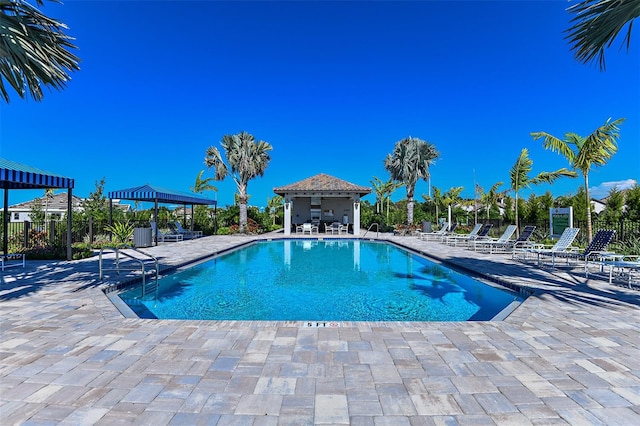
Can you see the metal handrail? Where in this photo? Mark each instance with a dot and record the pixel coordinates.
(117, 251)
(371, 226)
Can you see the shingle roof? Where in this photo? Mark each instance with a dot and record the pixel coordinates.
(322, 183)
(57, 202)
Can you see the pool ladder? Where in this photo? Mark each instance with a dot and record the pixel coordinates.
(142, 267)
(371, 226)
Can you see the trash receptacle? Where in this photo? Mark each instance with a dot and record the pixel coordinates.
(142, 237)
(426, 226)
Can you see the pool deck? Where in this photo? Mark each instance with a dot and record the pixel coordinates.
(570, 354)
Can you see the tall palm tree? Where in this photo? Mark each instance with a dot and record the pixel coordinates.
(34, 50)
(584, 152)
(409, 162)
(520, 177)
(597, 23)
(247, 160)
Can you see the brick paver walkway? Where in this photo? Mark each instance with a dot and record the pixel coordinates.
(570, 354)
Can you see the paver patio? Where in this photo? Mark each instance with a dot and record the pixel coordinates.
(570, 354)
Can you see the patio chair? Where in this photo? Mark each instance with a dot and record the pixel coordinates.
(491, 242)
(519, 243)
(186, 234)
(165, 237)
(540, 250)
(331, 228)
(467, 239)
(12, 260)
(343, 229)
(430, 236)
(310, 228)
(594, 250)
(473, 233)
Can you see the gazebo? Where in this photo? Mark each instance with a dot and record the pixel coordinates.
(19, 176)
(322, 199)
(158, 195)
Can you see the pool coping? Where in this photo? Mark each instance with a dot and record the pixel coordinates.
(111, 291)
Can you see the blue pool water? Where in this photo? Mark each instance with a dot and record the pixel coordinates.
(330, 280)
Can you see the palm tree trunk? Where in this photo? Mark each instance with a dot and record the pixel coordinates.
(586, 191)
(517, 224)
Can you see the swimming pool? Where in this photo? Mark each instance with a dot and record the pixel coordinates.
(320, 280)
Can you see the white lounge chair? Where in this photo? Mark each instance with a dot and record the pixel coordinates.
(466, 240)
(563, 244)
(434, 235)
(164, 237)
(453, 238)
(186, 234)
(489, 243)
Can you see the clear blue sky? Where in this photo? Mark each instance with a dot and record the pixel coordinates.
(331, 85)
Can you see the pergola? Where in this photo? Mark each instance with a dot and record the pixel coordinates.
(19, 176)
(158, 195)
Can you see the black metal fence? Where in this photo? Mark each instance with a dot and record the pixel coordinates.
(42, 235)
(31, 235)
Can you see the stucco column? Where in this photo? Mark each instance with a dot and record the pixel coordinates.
(287, 217)
(356, 216)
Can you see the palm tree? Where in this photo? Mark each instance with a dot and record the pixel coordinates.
(378, 188)
(273, 204)
(387, 189)
(452, 197)
(584, 152)
(436, 197)
(247, 159)
(33, 50)
(520, 177)
(596, 24)
(202, 185)
(409, 162)
(491, 197)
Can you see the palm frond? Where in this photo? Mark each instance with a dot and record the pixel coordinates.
(34, 50)
(596, 24)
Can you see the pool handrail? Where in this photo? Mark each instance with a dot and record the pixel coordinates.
(117, 250)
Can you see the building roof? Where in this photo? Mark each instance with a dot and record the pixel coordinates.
(20, 176)
(322, 183)
(56, 203)
(161, 195)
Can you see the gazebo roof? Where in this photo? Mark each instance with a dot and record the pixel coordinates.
(161, 195)
(19, 176)
(322, 184)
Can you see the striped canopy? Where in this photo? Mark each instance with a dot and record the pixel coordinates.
(19, 176)
(160, 195)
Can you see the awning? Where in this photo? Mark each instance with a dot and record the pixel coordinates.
(160, 195)
(19, 176)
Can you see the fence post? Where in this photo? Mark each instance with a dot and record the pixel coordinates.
(90, 232)
(52, 231)
(26, 228)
